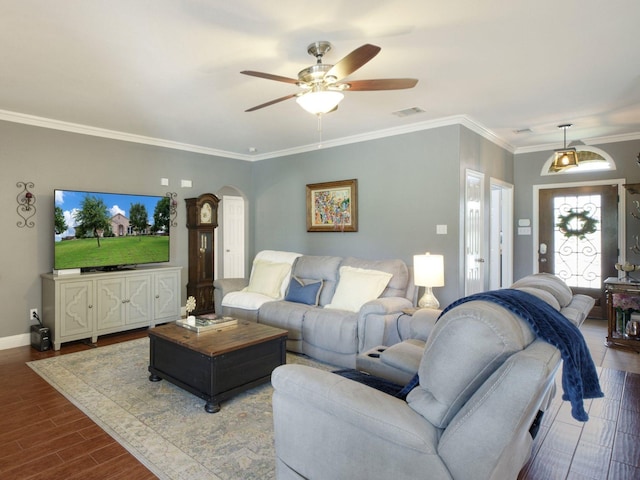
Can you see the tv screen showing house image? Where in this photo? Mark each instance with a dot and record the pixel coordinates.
(96, 230)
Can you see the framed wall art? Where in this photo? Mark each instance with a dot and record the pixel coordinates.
(332, 206)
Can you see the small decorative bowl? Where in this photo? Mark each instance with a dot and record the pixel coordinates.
(626, 267)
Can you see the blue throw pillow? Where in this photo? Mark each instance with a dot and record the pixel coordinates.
(304, 291)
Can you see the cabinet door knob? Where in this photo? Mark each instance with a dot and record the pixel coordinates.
(157, 296)
(90, 306)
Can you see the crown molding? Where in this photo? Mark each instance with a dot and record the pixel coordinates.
(486, 133)
(625, 137)
(463, 120)
(43, 122)
(363, 137)
(390, 132)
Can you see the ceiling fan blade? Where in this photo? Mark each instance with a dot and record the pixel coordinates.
(270, 76)
(381, 84)
(277, 100)
(353, 61)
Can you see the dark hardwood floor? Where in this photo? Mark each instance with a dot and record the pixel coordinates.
(608, 445)
(42, 435)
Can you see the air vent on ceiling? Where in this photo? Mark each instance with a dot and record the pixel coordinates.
(408, 111)
(523, 130)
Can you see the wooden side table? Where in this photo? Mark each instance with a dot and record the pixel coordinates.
(614, 285)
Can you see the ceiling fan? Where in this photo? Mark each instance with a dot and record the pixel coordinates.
(322, 84)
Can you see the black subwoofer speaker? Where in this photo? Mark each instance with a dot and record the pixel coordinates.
(40, 339)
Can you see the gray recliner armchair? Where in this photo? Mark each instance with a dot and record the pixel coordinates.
(398, 362)
(484, 377)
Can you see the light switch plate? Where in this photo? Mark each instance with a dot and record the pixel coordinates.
(441, 229)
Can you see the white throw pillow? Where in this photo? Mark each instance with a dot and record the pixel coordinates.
(358, 286)
(267, 277)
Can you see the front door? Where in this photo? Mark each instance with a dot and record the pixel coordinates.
(578, 238)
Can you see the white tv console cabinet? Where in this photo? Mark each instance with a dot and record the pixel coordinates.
(84, 305)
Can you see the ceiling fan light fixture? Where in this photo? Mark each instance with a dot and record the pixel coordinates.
(318, 102)
(566, 157)
(323, 83)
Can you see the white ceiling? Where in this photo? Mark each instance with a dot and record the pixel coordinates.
(167, 71)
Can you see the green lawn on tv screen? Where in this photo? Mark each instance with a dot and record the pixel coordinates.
(113, 251)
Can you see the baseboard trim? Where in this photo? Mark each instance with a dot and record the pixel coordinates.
(15, 341)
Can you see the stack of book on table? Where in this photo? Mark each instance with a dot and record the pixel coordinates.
(207, 322)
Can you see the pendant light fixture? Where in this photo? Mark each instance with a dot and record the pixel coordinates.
(566, 157)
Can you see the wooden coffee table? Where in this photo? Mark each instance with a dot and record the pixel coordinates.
(216, 364)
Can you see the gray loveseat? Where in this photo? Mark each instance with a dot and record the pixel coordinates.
(334, 335)
(484, 377)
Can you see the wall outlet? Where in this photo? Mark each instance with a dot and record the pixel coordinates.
(33, 313)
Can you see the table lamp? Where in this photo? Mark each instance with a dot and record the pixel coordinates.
(428, 272)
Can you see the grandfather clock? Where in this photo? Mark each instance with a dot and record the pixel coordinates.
(202, 219)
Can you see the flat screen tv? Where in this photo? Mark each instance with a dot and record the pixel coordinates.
(96, 230)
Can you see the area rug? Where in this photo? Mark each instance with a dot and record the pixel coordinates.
(164, 427)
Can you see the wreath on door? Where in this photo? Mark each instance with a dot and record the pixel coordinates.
(586, 224)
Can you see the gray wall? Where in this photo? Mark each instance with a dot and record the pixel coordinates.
(407, 185)
(55, 159)
(477, 153)
(527, 174)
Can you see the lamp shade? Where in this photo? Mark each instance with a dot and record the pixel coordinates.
(318, 102)
(428, 270)
(565, 158)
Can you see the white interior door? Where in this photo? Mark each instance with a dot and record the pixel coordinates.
(233, 236)
(474, 233)
(501, 235)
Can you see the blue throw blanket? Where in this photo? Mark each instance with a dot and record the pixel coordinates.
(579, 376)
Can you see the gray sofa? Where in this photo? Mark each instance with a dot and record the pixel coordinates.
(484, 378)
(333, 335)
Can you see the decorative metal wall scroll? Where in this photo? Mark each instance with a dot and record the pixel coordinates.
(173, 208)
(26, 204)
